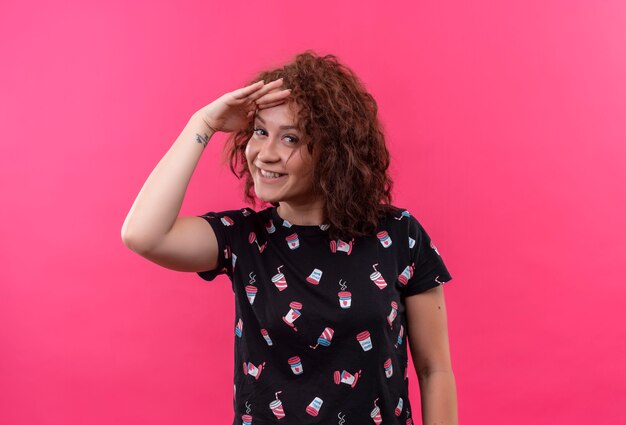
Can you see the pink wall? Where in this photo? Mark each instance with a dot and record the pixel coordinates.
(506, 122)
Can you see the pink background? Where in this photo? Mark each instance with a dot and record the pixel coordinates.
(506, 124)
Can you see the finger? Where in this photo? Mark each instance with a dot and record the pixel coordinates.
(274, 85)
(271, 104)
(246, 91)
(272, 97)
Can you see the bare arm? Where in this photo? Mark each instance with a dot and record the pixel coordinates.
(427, 330)
(152, 227)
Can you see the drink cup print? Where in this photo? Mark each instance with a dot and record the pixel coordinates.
(251, 292)
(245, 212)
(324, 226)
(405, 213)
(345, 299)
(384, 238)
(406, 274)
(411, 242)
(292, 241)
(277, 407)
(266, 337)
(227, 221)
(252, 239)
(313, 408)
(434, 247)
(400, 337)
(293, 314)
(296, 365)
(239, 328)
(246, 420)
(365, 340)
(269, 226)
(314, 277)
(375, 414)
(279, 280)
(339, 245)
(234, 260)
(392, 314)
(388, 368)
(347, 378)
(252, 370)
(286, 223)
(398, 409)
(378, 278)
(325, 338)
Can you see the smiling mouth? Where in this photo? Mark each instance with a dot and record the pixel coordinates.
(270, 175)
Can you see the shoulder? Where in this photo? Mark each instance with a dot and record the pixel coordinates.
(399, 218)
(241, 217)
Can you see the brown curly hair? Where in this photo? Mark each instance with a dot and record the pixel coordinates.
(342, 132)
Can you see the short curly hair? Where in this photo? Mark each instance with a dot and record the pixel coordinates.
(339, 122)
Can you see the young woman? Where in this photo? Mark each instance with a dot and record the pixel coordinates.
(331, 281)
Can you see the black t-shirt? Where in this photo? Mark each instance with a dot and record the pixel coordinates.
(320, 324)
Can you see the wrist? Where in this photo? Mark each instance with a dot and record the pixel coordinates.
(202, 119)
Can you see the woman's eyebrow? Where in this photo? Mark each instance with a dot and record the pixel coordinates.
(282, 127)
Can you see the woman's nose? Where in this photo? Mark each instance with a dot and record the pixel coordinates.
(269, 151)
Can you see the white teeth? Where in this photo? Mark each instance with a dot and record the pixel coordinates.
(268, 174)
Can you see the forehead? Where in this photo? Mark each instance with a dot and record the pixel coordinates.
(283, 114)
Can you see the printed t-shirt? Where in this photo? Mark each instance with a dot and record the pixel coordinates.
(320, 324)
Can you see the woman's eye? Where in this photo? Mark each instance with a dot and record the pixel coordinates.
(292, 140)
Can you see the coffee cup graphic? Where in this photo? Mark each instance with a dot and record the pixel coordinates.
(432, 245)
(234, 260)
(252, 239)
(365, 340)
(388, 368)
(239, 328)
(227, 221)
(252, 370)
(346, 377)
(314, 277)
(296, 365)
(406, 274)
(251, 292)
(392, 314)
(398, 409)
(400, 337)
(339, 245)
(345, 299)
(384, 238)
(246, 420)
(313, 408)
(292, 241)
(266, 337)
(269, 226)
(411, 242)
(293, 314)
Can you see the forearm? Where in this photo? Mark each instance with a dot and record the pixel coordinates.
(438, 398)
(158, 204)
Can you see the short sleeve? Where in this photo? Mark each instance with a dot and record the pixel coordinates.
(224, 225)
(428, 268)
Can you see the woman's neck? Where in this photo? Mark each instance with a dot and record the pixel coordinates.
(310, 214)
